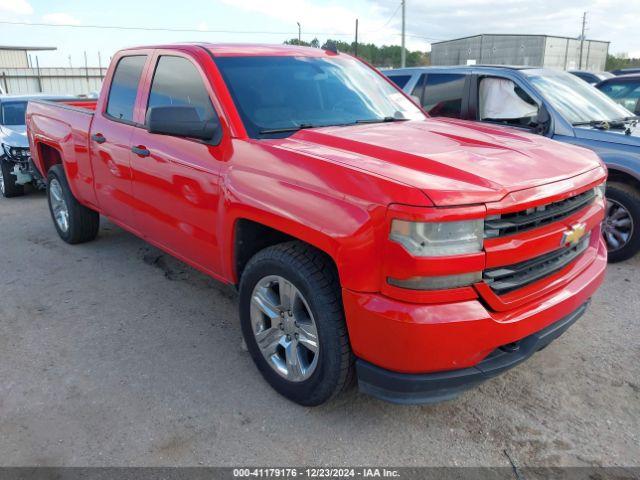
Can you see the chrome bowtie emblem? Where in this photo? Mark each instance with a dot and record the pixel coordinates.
(574, 234)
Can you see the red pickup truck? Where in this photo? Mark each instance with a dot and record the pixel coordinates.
(366, 240)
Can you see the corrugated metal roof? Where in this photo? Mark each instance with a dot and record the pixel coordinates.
(15, 47)
(517, 35)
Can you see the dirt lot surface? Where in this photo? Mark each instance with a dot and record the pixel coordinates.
(112, 353)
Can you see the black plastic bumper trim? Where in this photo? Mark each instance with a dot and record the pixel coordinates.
(435, 387)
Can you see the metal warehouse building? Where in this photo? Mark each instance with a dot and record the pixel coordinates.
(18, 57)
(21, 74)
(529, 50)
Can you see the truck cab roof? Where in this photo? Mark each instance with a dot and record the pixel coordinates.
(244, 49)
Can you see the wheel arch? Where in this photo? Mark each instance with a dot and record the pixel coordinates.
(48, 156)
(622, 175)
(251, 235)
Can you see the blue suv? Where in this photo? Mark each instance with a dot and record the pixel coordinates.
(552, 103)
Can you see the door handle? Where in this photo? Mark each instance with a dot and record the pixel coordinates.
(141, 151)
(98, 138)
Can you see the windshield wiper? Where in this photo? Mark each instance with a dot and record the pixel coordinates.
(382, 120)
(294, 128)
(607, 124)
(602, 124)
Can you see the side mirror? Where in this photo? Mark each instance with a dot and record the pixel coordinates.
(543, 121)
(181, 121)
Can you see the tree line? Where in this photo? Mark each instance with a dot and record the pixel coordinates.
(614, 62)
(386, 56)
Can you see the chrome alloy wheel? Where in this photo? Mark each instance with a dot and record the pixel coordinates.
(59, 205)
(284, 328)
(1, 181)
(617, 227)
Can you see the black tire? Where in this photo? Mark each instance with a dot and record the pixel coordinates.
(315, 276)
(9, 186)
(629, 198)
(83, 223)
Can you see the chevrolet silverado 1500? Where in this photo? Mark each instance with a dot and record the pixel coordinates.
(420, 256)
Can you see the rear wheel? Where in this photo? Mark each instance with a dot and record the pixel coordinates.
(622, 221)
(293, 322)
(74, 222)
(8, 186)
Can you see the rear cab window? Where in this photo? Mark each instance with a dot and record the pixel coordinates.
(400, 80)
(124, 87)
(443, 94)
(625, 93)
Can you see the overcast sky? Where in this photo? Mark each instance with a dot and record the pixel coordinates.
(273, 21)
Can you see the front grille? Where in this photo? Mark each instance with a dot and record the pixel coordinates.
(511, 223)
(512, 277)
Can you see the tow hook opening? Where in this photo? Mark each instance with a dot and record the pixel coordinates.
(510, 347)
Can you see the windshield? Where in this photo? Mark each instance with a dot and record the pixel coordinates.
(13, 113)
(576, 100)
(275, 93)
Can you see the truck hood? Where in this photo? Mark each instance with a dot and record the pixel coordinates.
(14, 135)
(453, 162)
(610, 136)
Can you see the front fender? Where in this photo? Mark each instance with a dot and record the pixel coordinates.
(338, 210)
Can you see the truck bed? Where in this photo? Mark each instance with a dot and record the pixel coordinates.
(62, 127)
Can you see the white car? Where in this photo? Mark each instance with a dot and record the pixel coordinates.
(16, 167)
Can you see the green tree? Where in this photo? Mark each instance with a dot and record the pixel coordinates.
(386, 56)
(614, 62)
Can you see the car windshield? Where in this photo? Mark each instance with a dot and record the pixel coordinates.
(276, 96)
(13, 113)
(577, 101)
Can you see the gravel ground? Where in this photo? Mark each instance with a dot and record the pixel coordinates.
(114, 354)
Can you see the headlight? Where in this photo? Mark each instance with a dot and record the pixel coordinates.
(601, 190)
(16, 152)
(438, 239)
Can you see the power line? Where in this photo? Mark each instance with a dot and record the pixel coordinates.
(166, 29)
(392, 16)
(195, 30)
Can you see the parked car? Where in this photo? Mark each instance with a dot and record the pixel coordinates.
(16, 167)
(624, 90)
(626, 71)
(551, 103)
(591, 77)
(421, 255)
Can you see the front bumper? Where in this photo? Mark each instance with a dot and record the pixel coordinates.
(435, 387)
(427, 339)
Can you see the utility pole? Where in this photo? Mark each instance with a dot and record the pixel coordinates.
(38, 73)
(86, 71)
(584, 24)
(403, 54)
(299, 34)
(100, 65)
(355, 50)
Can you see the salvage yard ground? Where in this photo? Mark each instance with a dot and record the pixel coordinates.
(112, 353)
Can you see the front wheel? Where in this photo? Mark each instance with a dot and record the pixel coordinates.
(622, 221)
(293, 323)
(8, 186)
(74, 222)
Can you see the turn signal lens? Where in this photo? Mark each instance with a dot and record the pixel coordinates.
(437, 283)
